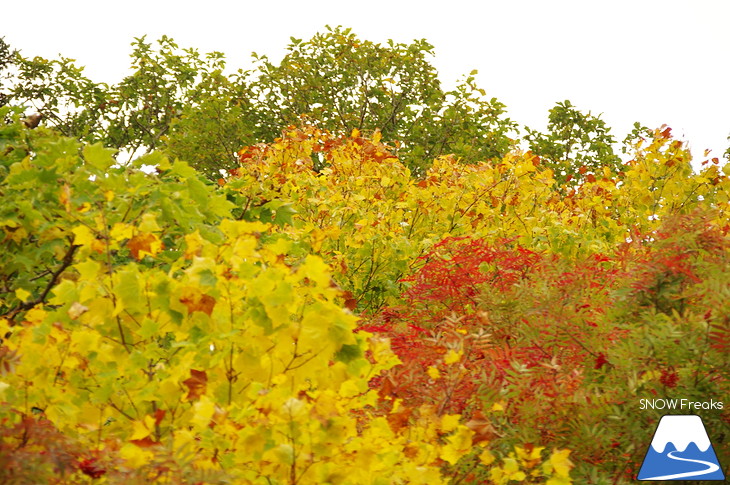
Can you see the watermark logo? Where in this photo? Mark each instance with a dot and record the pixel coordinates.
(680, 450)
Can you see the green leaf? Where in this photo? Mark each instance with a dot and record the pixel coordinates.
(99, 157)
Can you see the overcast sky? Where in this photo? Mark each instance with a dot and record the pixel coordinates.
(657, 62)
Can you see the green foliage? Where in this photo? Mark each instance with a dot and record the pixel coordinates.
(58, 89)
(133, 115)
(343, 83)
(6, 60)
(183, 101)
(217, 120)
(575, 145)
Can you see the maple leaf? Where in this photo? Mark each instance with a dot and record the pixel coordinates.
(196, 384)
(143, 244)
(399, 419)
(197, 301)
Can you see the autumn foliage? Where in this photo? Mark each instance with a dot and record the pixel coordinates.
(320, 315)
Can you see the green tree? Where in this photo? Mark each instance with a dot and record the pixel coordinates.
(183, 101)
(57, 89)
(575, 145)
(219, 120)
(344, 83)
(133, 115)
(6, 59)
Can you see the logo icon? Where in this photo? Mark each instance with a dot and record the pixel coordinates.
(680, 450)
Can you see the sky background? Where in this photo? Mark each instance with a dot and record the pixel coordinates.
(657, 62)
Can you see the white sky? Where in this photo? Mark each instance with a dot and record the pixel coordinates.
(654, 61)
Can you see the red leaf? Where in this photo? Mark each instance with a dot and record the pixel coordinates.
(159, 416)
(90, 467)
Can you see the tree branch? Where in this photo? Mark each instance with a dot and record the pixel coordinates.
(65, 263)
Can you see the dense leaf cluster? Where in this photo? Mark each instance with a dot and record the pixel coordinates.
(317, 314)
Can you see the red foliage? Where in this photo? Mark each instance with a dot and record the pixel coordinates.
(91, 467)
(459, 268)
(669, 378)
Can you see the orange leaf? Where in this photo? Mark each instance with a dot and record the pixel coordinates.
(144, 243)
(197, 301)
(399, 419)
(145, 442)
(482, 427)
(196, 384)
(350, 300)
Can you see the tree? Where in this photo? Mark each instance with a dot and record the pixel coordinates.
(344, 83)
(576, 144)
(133, 115)
(6, 59)
(176, 340)
(58, 90)
(218, 121)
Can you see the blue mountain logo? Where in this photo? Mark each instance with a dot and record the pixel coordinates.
(680, 450)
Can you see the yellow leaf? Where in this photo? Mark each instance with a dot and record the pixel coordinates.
(433, 372)
(355, 133)
(486, 457)
(203, 411)
(84, 340)
(450, 422)
(561, 463)
(22, 294)
(458, 445)
(316, 270)
(121, 231)
(134, 456)
(377, 135)
(142, 429)
(88, 269)
(453, 356)
(533, 454)
(559, 481)
(35, 315)
(351, 388)
(83, 236)
(109, 195)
